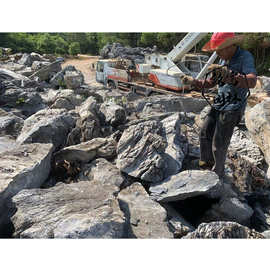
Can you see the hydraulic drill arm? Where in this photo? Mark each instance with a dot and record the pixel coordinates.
(185, 45)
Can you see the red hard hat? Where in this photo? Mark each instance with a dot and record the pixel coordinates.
(220, 40)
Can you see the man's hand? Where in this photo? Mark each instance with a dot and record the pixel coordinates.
(248, 81)
(220, 72)
(188, 80)
(197, 84)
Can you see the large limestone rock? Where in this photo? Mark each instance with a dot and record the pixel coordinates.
(176, 149)
(26, 166)
(258, 124)
(10, 124)
(73, 79)
(7, 143)
(140, 151)
(29, 59)
(117, 50)
(66, 99)
(47, 126)
(103, 171)
(265, 83)
(87, 151)
(230, 209)
(12, 66)
(78, 210)
(245, 147)
(36, 65)
(145, 218)
(114, 114)
(48, 71)
(187, 184)
(25, 60)
(69, 77)
(246, 161)
(10, 75)
(152, 150)
(171, 103)
(28, 102)
(223, 230)
(88, 125)
(178, 225)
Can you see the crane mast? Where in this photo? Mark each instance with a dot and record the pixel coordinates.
(185, 45)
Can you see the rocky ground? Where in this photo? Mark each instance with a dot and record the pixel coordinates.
(82, 161)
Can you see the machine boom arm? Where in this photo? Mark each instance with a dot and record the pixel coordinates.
(185, 45)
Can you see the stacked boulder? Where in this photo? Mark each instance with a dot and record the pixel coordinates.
(117, 50)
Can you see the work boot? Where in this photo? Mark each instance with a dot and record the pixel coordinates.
(198, 164)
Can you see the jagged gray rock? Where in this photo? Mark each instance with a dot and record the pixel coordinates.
(66, 99)
(171, 103)
(117, 50)
(223, 230)
(47, 72)
(25, 100)
(265, 83)
(230, 209)
(7, 143)
(115, 115)
(152, 150)
(176, 149)
(258, 123)
(87, 151)
(36, 65)
(103, 171)
(10, 124)
(139, 151)
(187, 184)
(177, 223)
(28, 59)
(47, 126)
(78, 210)
(10, 75)
(73, 79)
(88, 125)
(12, 66)
(145, 218)
(26, 166)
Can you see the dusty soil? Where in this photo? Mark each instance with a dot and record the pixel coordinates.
(84, 64)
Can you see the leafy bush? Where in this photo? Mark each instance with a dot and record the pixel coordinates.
(74, 48)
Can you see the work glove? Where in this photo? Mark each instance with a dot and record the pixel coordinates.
(191, 82)
(188, 80)
(221, 73)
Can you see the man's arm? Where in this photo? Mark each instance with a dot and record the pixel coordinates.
(204, 83)
(246, 82)
(198, 84)
(250, 71)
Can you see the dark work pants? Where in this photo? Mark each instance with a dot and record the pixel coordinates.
(215, 137)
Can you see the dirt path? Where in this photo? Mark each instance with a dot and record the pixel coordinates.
(84, 64)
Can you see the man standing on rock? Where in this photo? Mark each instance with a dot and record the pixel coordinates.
(234, 77)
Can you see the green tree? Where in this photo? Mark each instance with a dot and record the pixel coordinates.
(92, 43)
(45, 43)
(61, 46)
(148, 39)
(74, 48)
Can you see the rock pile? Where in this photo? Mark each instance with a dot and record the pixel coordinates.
(82, 162)
(117, 50)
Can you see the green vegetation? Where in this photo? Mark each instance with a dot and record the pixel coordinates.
(20, 101)
(91, 43)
